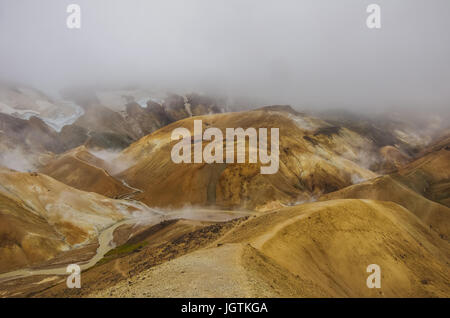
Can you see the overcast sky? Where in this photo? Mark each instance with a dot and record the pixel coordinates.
(312, 53)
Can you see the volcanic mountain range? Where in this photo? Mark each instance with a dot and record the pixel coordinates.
(350, 191)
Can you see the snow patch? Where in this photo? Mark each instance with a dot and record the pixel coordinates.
(143, 101)
(63, 114)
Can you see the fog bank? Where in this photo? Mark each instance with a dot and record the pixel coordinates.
(309, 53)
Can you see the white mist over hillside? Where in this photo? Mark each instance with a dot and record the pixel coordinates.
(17, 159)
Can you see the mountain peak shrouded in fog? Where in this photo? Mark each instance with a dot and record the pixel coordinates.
(320, 55)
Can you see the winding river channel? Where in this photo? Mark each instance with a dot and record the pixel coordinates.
(105, 239)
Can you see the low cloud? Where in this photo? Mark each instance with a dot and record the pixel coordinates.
(308, 53)
(17, 159)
